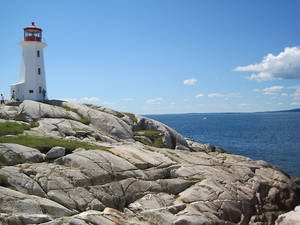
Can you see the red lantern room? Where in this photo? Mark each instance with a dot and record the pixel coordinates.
(32, 33)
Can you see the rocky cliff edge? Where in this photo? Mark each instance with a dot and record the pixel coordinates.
(107, 167)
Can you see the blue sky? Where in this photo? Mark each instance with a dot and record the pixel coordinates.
(162, 56)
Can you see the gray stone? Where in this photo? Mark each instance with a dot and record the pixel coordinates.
(289, 218)
(15, 154)
(37, 110)
(13, 202)
(55, 153)
(106, 122)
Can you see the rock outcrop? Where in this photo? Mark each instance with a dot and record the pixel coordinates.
(128, 182)
(290, 218)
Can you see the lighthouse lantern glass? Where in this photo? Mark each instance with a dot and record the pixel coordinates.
(32, 35)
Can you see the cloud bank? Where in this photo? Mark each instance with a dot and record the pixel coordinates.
(190, 81)
(272, 90)
(285, 65)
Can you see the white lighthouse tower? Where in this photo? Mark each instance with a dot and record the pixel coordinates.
(32, 80)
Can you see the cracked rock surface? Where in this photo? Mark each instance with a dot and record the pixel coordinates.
(133, 183)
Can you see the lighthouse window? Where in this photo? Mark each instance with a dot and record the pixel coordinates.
(30, 91)
(38, 53)
(40, 89)
(39, 71)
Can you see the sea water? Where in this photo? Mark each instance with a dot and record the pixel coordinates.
(273, 137)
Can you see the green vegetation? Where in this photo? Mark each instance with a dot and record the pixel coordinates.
(21, 117)
(83, 119)
(3, 161)
(154, 135)
(132, 117)
(46, 143)
(12, 128)
(34, 124)
(3, 180)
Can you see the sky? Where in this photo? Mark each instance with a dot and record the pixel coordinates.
(161, 56)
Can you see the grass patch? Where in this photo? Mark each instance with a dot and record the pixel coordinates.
(12, 128)
(154, 135)
(46, 143)
(132, 117)
(83, 119)
(148, 133)
(3, 180)
(158, 143)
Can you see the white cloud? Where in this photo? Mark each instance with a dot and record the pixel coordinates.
(226, 96)
(215, 95)
(284, 94)
(90, 99)
(199, 95)
(285, 65)
(296, 94)
(256, 90)
(272, 90)
(155, 100)
(295, 103)
(173, 103)
(190, 81)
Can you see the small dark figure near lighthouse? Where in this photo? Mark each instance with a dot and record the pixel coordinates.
(2, 99)
(13, 95)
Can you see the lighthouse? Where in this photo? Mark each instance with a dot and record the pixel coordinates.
(32, 79)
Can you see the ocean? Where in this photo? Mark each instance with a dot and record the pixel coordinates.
(273, 137)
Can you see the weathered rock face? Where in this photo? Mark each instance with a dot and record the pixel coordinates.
(146, 185)
(107, 123)
(290, 218)
(36, 110)
(55, 153)
(133, 183)
(15, 154)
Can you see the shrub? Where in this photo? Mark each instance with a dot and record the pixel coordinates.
(34, 124)
(3, 180)
(21, 117)
(12, 128)
(3, 161)
(132, 117)
(154, 135)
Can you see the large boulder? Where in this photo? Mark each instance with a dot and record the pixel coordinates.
(66, 127)
(13, 203)
(15, 154)
(55, 153)
(106, 122)
(8, 112)
(36, 110)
